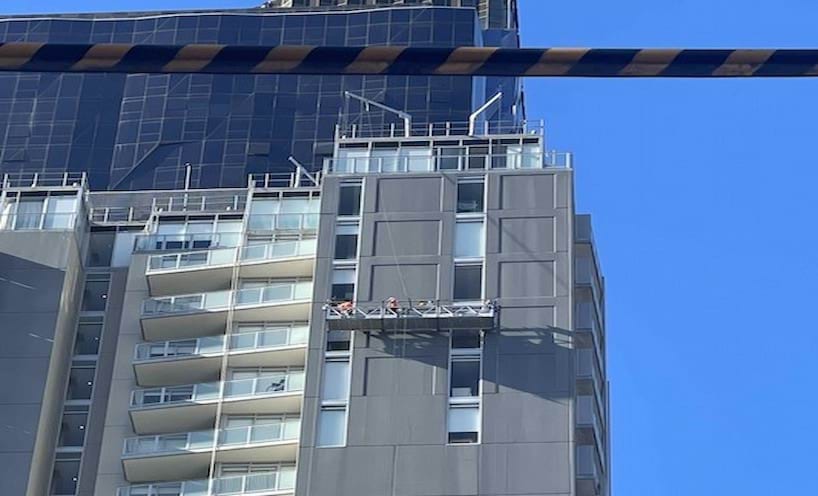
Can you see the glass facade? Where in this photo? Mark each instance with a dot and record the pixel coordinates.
(141, 131)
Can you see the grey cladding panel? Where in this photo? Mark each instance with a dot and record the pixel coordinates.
(437, 470)
(421, 194)
(532, 236)
(406, 238)
(527, 279)
(526, 469)
(333, 469)
(389, 420)
(387, 376)
(404, 281)
(528, 192)
(527, 317)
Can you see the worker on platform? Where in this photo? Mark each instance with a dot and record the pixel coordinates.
(345, 307)
(392, 304)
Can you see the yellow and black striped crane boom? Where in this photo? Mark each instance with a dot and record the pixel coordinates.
(392, 60)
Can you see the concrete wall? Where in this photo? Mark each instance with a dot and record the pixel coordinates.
(40, 277)
(397, 437)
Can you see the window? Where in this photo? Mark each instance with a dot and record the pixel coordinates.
(80, 382)
(95, 294)
(66, 475)
(72, 429)
(335, 386)
(60, 212)
(465, 378)
(464, 423)
(100, 249)
(343, 285)
(332, 426)
(468, 239)
(88, 336)
(470, 197)
(465, 340)
(468, 282)
(346, 242)
(338, 341)
(349, 200)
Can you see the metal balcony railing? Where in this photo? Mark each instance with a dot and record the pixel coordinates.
(282, 222)
(284, 430)
(243, 341)
(257, 483)
(276, 383)
(419, 314)
(284, 180)
(166, 242)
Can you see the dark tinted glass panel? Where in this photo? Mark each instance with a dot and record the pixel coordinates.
(469, 197)
(465, 379)
(80, 383)
(462, 437)
(95, 296)
(346, 246)
(468, 282)
(338, 340)
(465, 339)
(72, 430)
(64, 480)
(100, 247)
(88, 336)
(349, 200)
(343, 292)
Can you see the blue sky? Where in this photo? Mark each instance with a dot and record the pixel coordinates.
(703, 196)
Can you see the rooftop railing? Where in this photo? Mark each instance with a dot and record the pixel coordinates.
(440, 129)
(284, 180)
(23, 180)
(273, 384)
(221, 300)
(242, 341)
(164, 444)
(438, 162)
(257, 483)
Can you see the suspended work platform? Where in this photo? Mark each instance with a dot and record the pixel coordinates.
(424, 315)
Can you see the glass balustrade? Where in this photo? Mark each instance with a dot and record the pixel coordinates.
(244, 341)
(283, 430)
(259, 483)
(227, 256)
(285, 249)
(220, 300)
(274, 383)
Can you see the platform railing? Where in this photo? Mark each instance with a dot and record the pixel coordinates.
(411, 309)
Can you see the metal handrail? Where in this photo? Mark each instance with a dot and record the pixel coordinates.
(221, 300)
(440, 129)
(24, 179)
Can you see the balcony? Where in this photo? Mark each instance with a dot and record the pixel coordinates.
(199, 360)
(589, 425)
(589, 472)
(190, 407)
(211, 270)
(421, 315)
(188, 455)
(279, 483)
(205, 314)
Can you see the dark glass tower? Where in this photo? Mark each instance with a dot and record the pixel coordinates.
(142, 131)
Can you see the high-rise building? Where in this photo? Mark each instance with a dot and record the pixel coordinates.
(406, 310)
(139, 131)
(423, 317)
